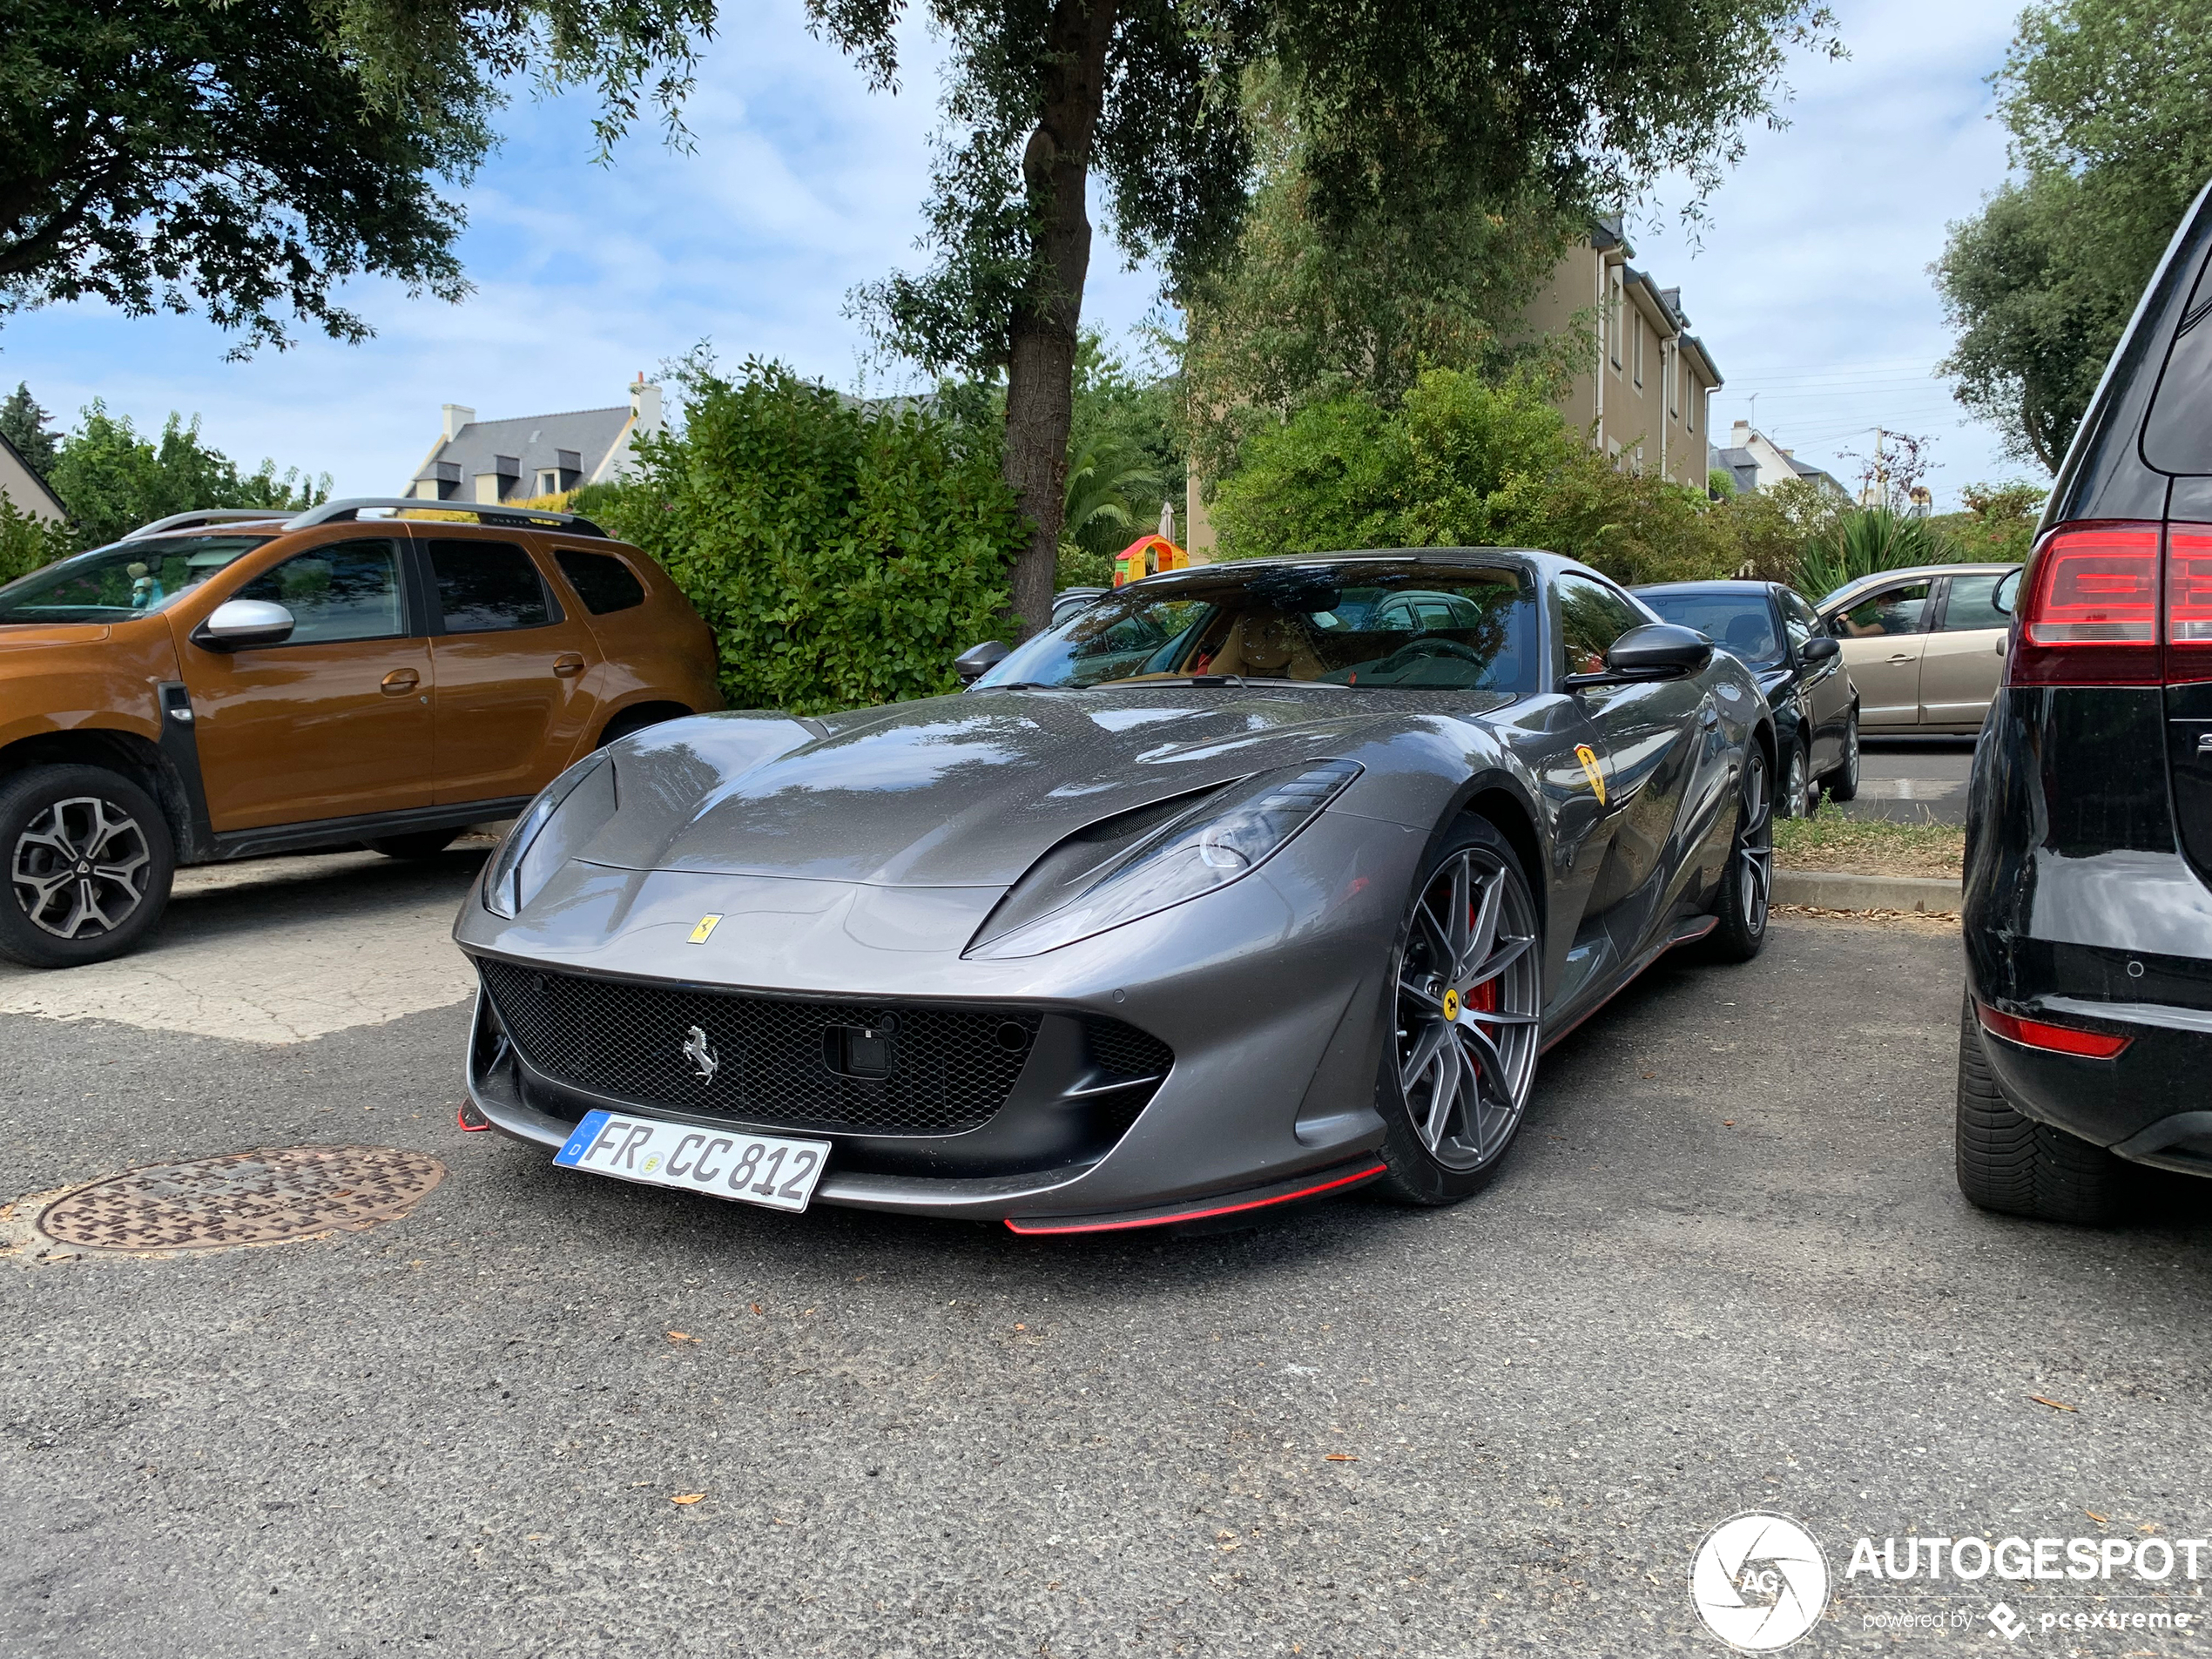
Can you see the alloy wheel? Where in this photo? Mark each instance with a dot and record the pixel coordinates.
(79, 867)
(1797, 795)
(1753, 859)
(1466, 1008)
(1851, 752)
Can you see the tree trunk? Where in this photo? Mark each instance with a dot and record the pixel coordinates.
(1041, 365)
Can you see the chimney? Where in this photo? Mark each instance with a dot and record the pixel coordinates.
(457, 415)
(644, 409)
(1741, 436)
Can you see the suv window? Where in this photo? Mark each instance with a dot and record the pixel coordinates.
(1591, 616)
(115, 583)
(1976, 602)
(1798, 623)
(1893, 610)
(347, 590)
(602, 581)
(484, 587)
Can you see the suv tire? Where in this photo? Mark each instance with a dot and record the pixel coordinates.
(97, 826)
(2011, 1164)
(423, 844)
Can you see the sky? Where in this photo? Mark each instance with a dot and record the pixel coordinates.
(1807, 280)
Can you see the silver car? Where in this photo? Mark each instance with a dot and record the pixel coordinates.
(1925, 646)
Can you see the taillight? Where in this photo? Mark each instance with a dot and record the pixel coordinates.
(2089, 609)
(2055, 1039)
(2188, 602)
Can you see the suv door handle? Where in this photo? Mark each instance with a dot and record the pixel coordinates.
(400, 681)
(568, 664)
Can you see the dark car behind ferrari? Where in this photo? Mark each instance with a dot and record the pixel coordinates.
(1772, 630)
(2086, 1038)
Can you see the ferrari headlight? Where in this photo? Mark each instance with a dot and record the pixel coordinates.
(527, 859)
(1136, 865)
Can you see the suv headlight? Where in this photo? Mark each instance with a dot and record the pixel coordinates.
(1148, 861)
(579, 802)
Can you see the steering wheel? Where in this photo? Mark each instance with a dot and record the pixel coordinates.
(1430, 645)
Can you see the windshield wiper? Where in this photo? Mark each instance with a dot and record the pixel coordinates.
(1208, 682)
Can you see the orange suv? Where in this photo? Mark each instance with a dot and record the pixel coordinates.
(223, 685)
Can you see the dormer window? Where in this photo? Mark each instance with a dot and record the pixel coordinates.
(549, 482)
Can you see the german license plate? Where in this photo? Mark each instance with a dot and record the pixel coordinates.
(723, 1164)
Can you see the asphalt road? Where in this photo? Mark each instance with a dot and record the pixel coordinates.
(1725, 1269)
(1912, 779)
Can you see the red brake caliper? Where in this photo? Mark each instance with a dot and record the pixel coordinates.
(1484, 997)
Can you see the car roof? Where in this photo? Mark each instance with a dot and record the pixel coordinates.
(1882, 578)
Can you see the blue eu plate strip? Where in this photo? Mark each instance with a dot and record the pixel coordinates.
(580, 1143)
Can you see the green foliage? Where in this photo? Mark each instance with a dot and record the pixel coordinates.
(27, 543)
(1720, 484)
(2105, 101)
(223, 158)
(1773, 527)
(1109, 483)
(23, 424)
(1462, 463)
(1866, 540)
(1998, 522)
(843, 555)
(112, 480)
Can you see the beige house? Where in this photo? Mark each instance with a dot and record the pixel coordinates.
(530, 455)
(23, 489)
(1645, 402)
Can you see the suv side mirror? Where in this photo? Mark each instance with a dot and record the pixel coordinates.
(1658, 651)
(243, 622)
(979, 660)
(1818, 649)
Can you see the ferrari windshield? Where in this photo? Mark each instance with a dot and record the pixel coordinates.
(1359, 623)
(115, 583)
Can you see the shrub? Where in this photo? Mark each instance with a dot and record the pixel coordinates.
(1462, 463)
(843, 555)
(1866, 540)
(27, 543)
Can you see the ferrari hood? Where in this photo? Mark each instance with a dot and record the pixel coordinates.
(962, 791)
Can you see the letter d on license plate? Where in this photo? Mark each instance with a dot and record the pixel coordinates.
(723, 1164)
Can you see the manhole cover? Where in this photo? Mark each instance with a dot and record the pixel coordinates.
(242, 1198)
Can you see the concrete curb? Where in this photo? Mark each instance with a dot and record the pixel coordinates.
(1827, 891)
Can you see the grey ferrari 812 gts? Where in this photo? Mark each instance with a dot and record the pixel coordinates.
(1245, 884)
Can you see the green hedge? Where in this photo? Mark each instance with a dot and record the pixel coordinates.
(27, 543)
(843, 554)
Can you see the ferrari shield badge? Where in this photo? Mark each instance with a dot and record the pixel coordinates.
(705, 929)
(1584, 753)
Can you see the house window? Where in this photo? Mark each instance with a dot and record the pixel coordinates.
(1696, 396)
(1636, 323)
(549, 483)
(1613, 318)
(1671, 371)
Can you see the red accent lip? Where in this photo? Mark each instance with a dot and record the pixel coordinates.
(1031, 1230)
(472, 1121)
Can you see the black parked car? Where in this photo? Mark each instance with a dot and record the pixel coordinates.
(2087, 1037)
(1774, 633)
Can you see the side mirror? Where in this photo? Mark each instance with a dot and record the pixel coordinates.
(236, 622)
(1658, 651)
(1818, 649)
(979, 660)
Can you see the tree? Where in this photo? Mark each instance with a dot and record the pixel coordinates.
(23, 424)
(229, 157)
(1403, 108)
(112, 480)
(2105, 102)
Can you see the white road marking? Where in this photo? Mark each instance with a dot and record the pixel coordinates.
(279, 950)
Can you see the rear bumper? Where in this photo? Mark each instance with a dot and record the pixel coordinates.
(2149, 1103)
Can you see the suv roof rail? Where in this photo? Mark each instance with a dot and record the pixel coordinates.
(205, 516)
(521, 518)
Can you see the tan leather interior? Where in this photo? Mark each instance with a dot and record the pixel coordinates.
(1267, 643)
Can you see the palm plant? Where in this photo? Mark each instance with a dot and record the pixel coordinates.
(1110, 487)
(1864, 541)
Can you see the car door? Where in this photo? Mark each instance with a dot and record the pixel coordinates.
(1963, 662)
(1826, 685)
(1651, 748)
(517, 679)
(1882, 643)
(335, 722)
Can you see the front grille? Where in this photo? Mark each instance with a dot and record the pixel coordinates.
(1126, 1051)
(950, 1069)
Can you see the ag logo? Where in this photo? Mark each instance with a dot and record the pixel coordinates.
(1759, 1581)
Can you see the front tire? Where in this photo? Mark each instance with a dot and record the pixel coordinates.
(2009, 1163)
(1800, 793)
(1843, 783)
(1740, 932)
(1460, 1058)
(423, 844)
(88, 866)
